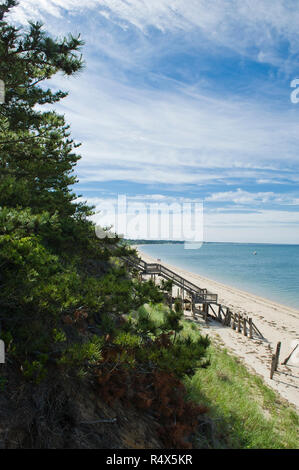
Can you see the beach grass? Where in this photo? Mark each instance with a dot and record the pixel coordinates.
(244, 413)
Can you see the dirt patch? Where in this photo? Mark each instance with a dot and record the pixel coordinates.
(65, 414)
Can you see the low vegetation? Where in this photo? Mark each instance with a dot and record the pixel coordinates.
(246, 414)
(242, 412)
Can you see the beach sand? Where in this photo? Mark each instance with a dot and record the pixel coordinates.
(276, 322)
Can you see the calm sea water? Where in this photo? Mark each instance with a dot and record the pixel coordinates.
(272, 273)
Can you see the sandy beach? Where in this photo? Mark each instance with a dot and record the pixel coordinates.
(276, 322)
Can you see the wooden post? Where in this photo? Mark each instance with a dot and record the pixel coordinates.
(170, 292)
(273, 362)
(277, 354)
(234, 321)
(193, 307)
(219, 313)
(205, 312)
(224, 318)
(250, 328)
(244, 327)
(290, 355)
(239, 323)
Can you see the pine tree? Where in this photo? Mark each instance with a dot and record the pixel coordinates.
(52, 265)
(46, 237)
(37, 154)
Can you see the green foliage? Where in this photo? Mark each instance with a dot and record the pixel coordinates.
(120, 294)
(182, 358)
(152, 328)
(107, 324)
(36, 290)
(35, 371)
(155, 321)
(145, 324)
(173, 318)
(59, 336)
(166, 285)
(147, 292)
(129, 340)
(85, 354)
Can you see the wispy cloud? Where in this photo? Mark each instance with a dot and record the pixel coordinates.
(242, 197)
(248, 27)
(186, 97)
(175, 137)
(256, 225)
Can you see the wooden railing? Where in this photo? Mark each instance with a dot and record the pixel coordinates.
(199, 294)
(210, 306)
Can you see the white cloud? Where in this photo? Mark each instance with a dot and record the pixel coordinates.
(251, 27)
(256, 226)
(242, 197)
(37, 9)
(152, 217)
(175, 136)
(180, 136)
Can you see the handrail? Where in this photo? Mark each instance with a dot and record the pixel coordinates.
(198, 294)
(172, 273)
(155, 268)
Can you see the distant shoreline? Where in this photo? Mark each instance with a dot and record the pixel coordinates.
(179, 242)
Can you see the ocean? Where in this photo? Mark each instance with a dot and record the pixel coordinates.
(272, 273)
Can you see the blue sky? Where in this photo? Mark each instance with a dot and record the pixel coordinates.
(184, 100)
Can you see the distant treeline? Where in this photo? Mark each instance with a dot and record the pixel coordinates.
(153, 242)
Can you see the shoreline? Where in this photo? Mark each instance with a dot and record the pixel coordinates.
(292, 311)
(277, 323)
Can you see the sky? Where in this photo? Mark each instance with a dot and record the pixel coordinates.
(182, 101)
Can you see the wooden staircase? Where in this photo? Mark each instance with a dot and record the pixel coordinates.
(202, 301)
